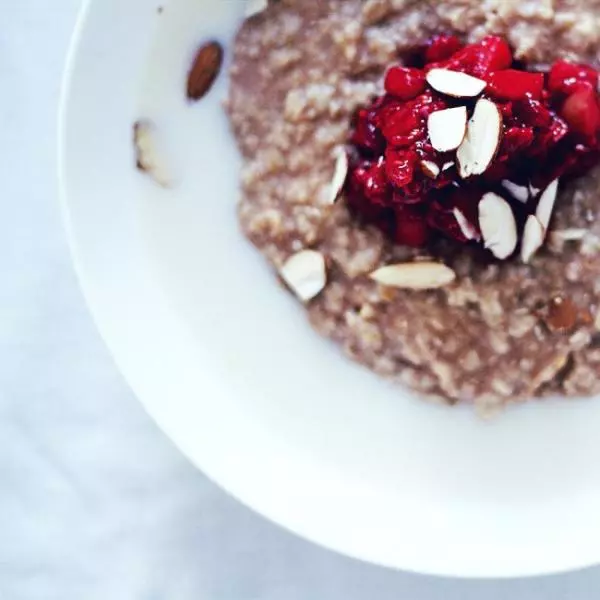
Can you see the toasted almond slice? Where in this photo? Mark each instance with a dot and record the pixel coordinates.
(518, 192)
(533, 238)
(569, 235)
(498, 225)
(339, 175)
(484, 133)
(415, 276)
(254, 7)
(447, 128)
(430, 169)
(468, 230)
(546, 203)
(150, 158)
(455, 83)
(305, 274)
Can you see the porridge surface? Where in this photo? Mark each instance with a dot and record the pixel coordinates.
(501, 331)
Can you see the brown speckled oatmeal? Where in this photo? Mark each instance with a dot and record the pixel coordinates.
(300, 70)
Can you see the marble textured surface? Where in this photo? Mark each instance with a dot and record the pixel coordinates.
(95, 503)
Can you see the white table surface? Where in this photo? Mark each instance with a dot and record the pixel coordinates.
(95, 503)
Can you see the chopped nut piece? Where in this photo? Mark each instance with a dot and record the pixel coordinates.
(518, 192)
(447, 128)
(455, 83)
(467, 229)
(498, 225)
(484, 133)
(546, 204)
(339, 175)
(149, 157)
(533, 238)
(305, 274)
(430, 169)
(416, 275)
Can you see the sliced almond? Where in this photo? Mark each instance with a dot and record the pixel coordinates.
(149, 156)
(305, 274)
(447, 166)
(569, 235)
(546, 203)
(455, 83)
(498, 225)
(339, 175)
(430, 169)
(484, 133)
(447, 128)
(254, 7)
(414, 276)
(467, 228)
(518, 192)
(533, 238)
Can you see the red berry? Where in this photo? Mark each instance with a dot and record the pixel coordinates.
(404, 82)
(491, 54)
(442, 47)
(515, 140)
(497, 53)
(551, 128)
(400, 166)
(411, 227)
(366, 135)
(414, 192)
(567, 78)
(515, 85)
(582, 113)
(402, 127)
(533, 113)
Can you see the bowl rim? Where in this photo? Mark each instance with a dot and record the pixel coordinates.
(555, 561)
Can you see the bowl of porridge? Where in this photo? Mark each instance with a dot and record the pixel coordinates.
(346, 254)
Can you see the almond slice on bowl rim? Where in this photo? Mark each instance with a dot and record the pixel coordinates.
(447, 128)
(498, 225)
(149, 154)
(414, 275)
(455, 83)
(305, 273)
(481, 143)
(339, 175)
(466, 227)
(533, 238)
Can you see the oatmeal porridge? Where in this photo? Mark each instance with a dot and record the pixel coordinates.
(487, 308)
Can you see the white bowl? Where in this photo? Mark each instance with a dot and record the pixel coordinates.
(227, 365)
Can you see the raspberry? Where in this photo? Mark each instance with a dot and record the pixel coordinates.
(442, 47)
(515, 85)
(411, 227)
(567, 78)
(550, 129)
(404, 83)
(582, 113)
(400, 166)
